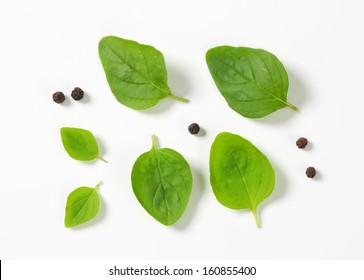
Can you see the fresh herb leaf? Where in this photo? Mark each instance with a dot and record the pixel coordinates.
(241, 176)
(80, 144)
(136, 73)
(82, 205)
(253, 81)
(162, 182)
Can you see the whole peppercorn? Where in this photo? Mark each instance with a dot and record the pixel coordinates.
(58, 97)
(193, 128)
(301, 142)
(77, 93)
(310, 172)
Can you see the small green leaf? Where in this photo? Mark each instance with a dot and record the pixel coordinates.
(80, 144)
(162, 182)
(136, 73)
(241, 176)
(253, 81)
(82, 206)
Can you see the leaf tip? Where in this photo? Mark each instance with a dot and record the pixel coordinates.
(67, 224)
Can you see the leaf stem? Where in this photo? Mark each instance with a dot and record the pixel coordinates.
(102, 159)
(294, 108)
(256, 217)
(98, 185)
(178, 98)
(154, 142)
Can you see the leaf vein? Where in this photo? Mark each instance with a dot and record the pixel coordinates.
(149, 81)
(253, 83)
(83, 205)
(242, 174)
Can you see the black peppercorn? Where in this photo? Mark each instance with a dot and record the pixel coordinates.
(301, 142)
(193, 128)
(310, 172)
(58, 97)
(77, 93)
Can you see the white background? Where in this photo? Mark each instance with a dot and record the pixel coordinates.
(48, 46)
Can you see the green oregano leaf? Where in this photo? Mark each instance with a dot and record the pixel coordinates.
(136, 73)
(82, 206)
(253, 81)
(241, 176)
(162, 182)
(80, 144)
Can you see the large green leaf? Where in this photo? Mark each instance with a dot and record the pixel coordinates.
(241, 176)
(253, 81)
(162, 182)
(136, 73)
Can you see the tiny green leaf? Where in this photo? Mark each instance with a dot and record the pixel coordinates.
(82, 206)
(253, 81)
(136, 73)
(80, 144)
(162, 183)
(241, 176)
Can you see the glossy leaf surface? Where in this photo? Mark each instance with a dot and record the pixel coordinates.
(162, 183)
(82, 206)
(241, 176)
(253, 81)
(136, 73)
(80, 144)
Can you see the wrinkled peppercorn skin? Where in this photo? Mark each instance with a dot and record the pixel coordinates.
(302, 142)
(77, 93)
(194, 128)
(58, 97)
(310, 172)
